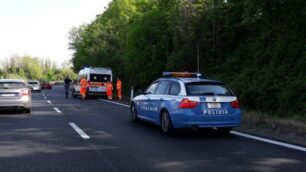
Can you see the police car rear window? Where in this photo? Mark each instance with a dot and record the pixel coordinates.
(208, 89)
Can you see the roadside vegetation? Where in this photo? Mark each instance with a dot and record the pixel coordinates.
(257, 47)
(27, 67)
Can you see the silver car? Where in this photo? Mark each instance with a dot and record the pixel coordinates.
(34, 85)
(15, 95)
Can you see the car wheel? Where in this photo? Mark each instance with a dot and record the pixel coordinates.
(86, 94)
(27, 110)
(224, 130)
(133, 113)
(166, 123)
(73, 94)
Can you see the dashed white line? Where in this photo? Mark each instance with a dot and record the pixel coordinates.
(78, 130)
(57, 110)
(49, 101)
(287, 145)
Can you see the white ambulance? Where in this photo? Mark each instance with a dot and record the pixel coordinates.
(96, 77)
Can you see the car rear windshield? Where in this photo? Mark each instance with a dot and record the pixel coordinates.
(99, 78)
(208, 89)
(33, 82)
(11, 85)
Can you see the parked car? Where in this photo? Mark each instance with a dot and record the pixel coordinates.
(15, 95)
(185, 100)
(34, 85)
(46, 85)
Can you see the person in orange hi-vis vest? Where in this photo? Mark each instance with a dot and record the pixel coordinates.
(109, 90)
(119, 88)
(83, 89)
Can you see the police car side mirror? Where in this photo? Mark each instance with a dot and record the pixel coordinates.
(147, 93)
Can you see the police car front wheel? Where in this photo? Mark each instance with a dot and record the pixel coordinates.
(133, 113)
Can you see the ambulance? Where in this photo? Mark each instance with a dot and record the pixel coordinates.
(96, 77)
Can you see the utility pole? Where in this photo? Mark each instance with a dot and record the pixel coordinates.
(198, 57)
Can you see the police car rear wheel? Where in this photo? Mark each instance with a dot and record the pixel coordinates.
(133, 113)
(166, 123)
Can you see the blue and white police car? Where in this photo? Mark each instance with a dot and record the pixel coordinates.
(186, 100)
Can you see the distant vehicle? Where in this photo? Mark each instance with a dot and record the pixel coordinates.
(185, 100)
(34, 85)
(96, 77)
(15, 95)
(45, 85)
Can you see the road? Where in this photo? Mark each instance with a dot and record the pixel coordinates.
(45, 140)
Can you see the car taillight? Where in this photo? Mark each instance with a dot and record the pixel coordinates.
(25, 92)
(235, 104)
(187, 104)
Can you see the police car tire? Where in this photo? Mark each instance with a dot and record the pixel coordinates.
(133, 114)
(165, 123)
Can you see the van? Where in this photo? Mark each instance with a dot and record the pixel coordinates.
(96, 77)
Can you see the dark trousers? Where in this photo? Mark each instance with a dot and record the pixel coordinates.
(66, 90)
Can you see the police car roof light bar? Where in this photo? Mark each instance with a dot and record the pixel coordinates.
(182, 75)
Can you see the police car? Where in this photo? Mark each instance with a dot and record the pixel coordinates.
(186, 100)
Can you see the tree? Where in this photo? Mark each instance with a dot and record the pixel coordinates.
(256, 46)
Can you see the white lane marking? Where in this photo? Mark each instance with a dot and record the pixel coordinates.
(78, 130)
(49, 101)
(57, 110)
(45, 97)
(287, 145)
(115, 103)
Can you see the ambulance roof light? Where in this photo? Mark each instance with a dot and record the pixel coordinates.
(182, 75)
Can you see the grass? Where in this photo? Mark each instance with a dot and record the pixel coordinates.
(288, 129)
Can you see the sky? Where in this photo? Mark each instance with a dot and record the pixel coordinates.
(40, 27)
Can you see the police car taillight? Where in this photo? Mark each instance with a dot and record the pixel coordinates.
(188, 104)
(235, 104)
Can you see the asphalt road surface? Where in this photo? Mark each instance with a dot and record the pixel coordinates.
(92, 135)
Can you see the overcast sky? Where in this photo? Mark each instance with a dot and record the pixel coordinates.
(40, 27)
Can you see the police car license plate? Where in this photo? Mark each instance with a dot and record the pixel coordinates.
(214, 105)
